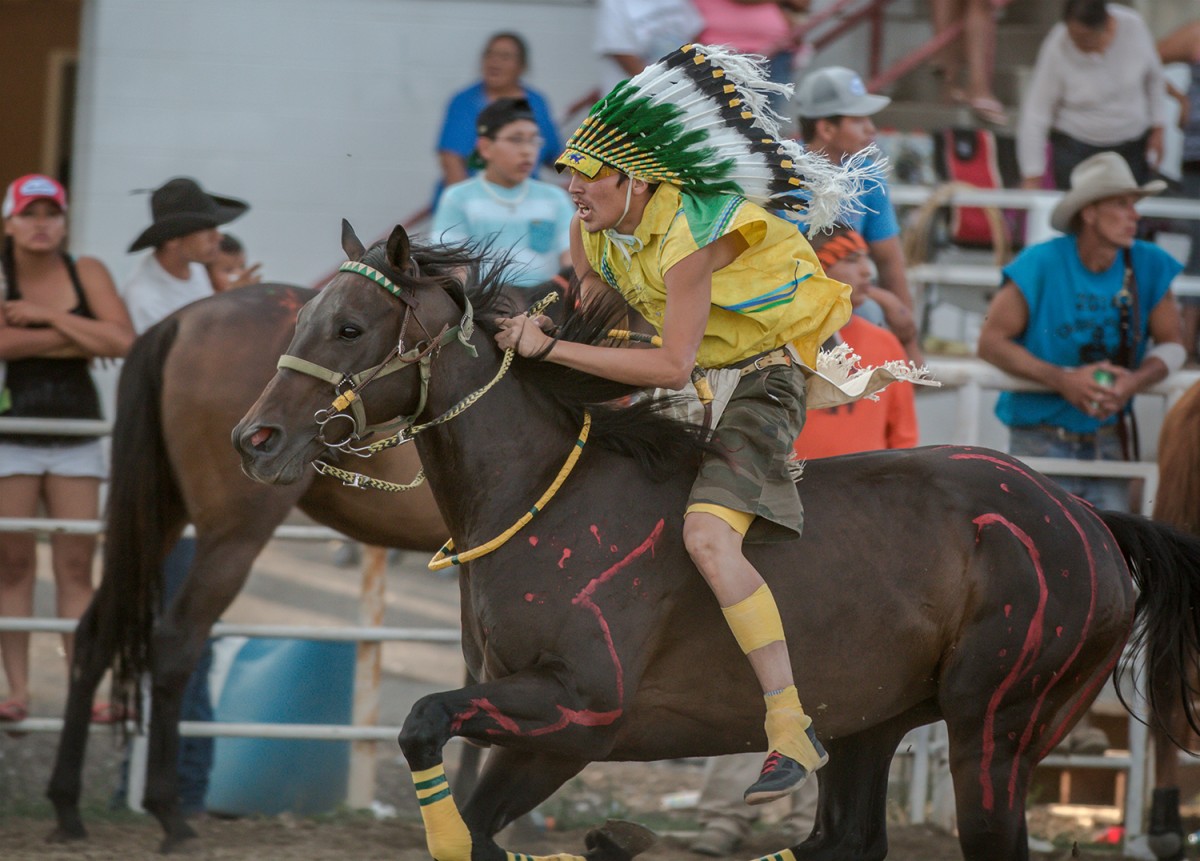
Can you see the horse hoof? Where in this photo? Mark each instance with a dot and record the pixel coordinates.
(618, 840)
(67, 834)
(179, 839)
(1166, 847)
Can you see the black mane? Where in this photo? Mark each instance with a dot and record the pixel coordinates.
(660, 444)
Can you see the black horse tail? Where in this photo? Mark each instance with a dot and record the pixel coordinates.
(1165, 564)
(144, 512)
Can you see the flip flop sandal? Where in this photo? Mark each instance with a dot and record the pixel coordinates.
(109, 713)
(14, 711)
(988, 110)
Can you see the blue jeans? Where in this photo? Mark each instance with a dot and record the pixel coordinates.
(195, 754)
(1109, 494)
(1067, 152)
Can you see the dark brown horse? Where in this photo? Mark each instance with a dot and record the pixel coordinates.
(946, 582)
(1177, 503)
(183, 387)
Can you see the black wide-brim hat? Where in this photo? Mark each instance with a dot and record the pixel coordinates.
(180, 206)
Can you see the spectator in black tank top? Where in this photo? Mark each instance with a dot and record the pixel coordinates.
(56, 315)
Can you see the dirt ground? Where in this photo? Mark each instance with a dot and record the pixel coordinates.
(638, 792)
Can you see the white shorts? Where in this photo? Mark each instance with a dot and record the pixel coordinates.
(78, 460)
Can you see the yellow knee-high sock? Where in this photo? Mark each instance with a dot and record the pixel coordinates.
(781, 855)
(786, 725)
(756, 624)
(755, 620)
(446, 834)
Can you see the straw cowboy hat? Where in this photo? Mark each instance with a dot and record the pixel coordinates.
(1103, 175)
(179, 207)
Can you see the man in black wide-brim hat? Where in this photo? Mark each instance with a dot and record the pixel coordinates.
(185, 239)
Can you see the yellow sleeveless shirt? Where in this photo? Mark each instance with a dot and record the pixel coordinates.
(774, 293)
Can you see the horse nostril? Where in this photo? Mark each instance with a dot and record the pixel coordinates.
(260, 437)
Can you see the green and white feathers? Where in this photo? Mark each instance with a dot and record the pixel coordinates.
(700, 118)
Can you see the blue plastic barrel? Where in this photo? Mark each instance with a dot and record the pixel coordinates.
(283, 681)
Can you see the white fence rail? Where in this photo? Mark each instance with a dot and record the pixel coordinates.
(326, 633)
(364, 731)
(965, 285)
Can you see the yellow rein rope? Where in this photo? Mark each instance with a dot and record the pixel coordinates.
(441, 560)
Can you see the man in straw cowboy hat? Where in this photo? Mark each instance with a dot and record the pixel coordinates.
(674, 175)
(1076, 314)
(185, 239)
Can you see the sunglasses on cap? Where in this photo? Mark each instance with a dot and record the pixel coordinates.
(586, 167)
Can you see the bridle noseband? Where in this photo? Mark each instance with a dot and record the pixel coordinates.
(348, 403)
(349, 387)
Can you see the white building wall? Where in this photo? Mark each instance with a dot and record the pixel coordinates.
(311, 110)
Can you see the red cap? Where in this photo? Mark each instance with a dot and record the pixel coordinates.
(27, 189)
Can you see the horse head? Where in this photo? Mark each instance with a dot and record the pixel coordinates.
(337, 383)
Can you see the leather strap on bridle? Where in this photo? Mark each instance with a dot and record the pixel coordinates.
(1128, 325)
(348, 401)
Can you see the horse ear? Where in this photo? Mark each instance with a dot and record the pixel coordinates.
(351, 244)
(398, 249)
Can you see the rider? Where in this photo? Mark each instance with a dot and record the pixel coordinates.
(670, 174)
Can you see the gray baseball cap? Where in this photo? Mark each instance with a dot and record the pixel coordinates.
(836, 91)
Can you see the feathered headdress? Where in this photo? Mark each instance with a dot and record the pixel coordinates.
(699, 118)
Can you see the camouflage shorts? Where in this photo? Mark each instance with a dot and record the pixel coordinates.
(756, 431)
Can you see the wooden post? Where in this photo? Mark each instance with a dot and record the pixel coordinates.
(367, 672)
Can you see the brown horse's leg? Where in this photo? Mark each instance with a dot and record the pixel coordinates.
(466, 777)
(94, 646)
(998, 734)
(513, 783)
(1165, 829)
(542, 703)
(852, 804)
(223, 560)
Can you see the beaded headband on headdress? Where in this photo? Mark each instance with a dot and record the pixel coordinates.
(699, 118)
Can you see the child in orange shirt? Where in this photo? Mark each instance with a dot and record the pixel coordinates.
(866, 425)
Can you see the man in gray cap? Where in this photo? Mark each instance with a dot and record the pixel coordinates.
(835, 112)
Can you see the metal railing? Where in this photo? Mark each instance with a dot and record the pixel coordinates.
(364, 731)
(831, 23)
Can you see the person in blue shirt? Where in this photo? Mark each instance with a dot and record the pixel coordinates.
(526, 220)
(834, 110)
(1057, 321)
(505, 59)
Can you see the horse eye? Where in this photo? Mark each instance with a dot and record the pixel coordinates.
(349, 333)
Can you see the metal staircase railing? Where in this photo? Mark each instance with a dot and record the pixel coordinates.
(826, 26)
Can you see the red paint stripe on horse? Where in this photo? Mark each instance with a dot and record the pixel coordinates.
(1060, 729)
(584, 599)
(584, 718)
(1029, 651)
